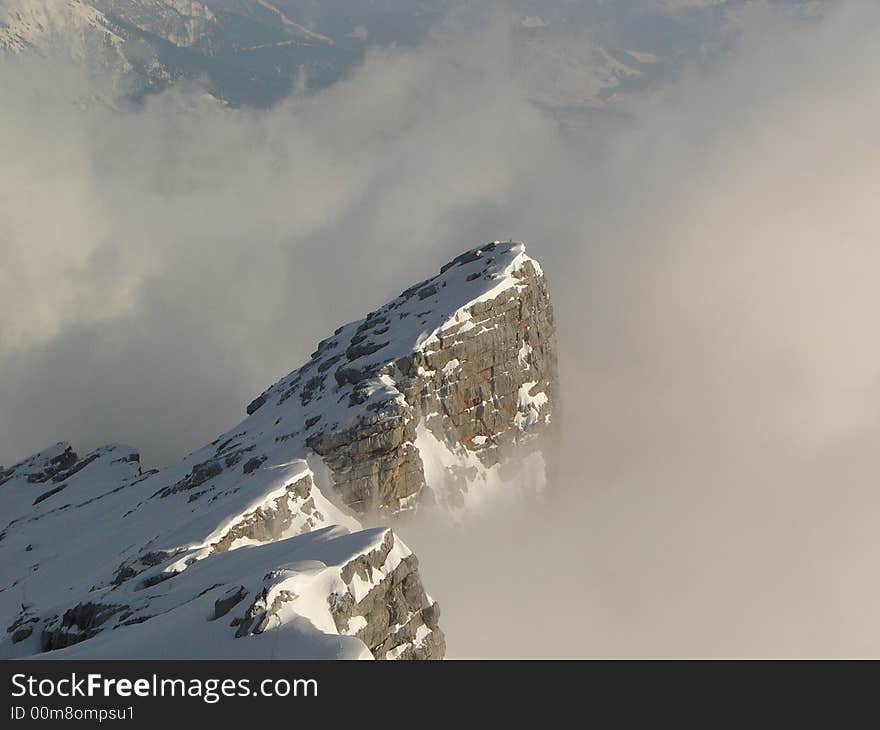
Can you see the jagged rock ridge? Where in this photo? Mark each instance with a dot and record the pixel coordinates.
(96, 562)
(453, 377)
(249, 548)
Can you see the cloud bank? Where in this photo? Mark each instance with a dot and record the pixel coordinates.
(712, 258)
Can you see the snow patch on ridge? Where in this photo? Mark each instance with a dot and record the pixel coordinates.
(529, 406)
(463, 485)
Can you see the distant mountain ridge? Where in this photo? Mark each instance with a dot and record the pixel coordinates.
(256, 52)
(247, 52)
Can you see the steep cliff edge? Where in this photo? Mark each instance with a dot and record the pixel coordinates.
(448, 386)
(252, 546)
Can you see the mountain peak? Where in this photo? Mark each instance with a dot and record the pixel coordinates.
(483, 326)
(440, 398)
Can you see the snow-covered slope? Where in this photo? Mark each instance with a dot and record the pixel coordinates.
(69, 32)
(38, 24)
(241, 550)
(91, 549)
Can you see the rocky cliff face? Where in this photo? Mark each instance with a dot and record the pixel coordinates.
(453, 379)
(253, 546)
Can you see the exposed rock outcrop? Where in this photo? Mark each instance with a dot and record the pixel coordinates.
(470, 354)
(395, 618)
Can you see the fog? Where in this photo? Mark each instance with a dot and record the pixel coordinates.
(712, 254)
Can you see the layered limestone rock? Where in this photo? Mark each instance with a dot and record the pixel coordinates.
(455, 377)
(386, 606)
